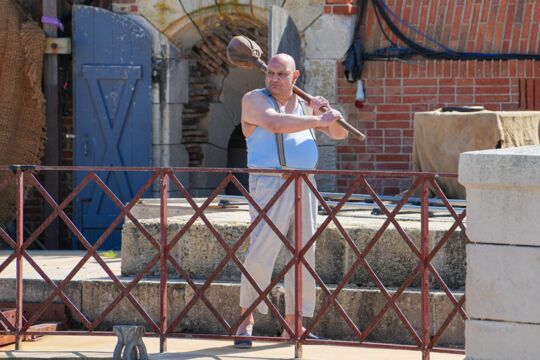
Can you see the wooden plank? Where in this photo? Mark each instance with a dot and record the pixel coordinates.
(52, 120)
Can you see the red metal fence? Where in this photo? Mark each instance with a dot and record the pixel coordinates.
(424, 339)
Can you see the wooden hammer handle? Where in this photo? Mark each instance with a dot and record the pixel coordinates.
(304, 95)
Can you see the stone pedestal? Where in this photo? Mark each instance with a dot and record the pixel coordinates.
(130, 345)
(503, 260)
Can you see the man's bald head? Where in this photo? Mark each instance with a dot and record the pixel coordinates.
(284, 59)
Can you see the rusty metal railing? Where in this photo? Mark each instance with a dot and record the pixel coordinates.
(424, 339)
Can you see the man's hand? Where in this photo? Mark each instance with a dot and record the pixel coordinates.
(316, 103)
(329, 117)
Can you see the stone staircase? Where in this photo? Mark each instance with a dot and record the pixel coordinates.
(392, 260)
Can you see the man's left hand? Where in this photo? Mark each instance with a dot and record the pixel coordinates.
(318, 102)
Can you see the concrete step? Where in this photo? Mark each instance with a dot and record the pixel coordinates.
(391, 258)
(361, 304)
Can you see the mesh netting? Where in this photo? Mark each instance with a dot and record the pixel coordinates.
(22, 115)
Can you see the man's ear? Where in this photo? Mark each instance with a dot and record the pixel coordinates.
(296, 74)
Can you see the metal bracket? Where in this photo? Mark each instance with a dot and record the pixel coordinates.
(56, 46)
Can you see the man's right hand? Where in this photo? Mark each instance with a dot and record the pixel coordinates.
(329, 117)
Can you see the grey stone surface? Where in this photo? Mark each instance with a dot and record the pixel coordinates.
(391, 258)
(498, 274)
(519, 166)
(501, 340)
(98, 295)
(304, 12)
(327, 161)
(329, 36)
(177, 80)
(503, 190)
(321, 78)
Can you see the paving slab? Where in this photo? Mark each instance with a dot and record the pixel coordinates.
(101, 347)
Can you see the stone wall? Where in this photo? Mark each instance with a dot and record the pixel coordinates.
(503, 260)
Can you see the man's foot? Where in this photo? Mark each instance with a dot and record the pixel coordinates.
(243, 343)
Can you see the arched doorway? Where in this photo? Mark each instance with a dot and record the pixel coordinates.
(211, 114)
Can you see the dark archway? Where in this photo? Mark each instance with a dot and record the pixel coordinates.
(237, 158)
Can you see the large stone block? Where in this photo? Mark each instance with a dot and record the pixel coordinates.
(137, 250)
(177, 81)
(495, 340)
(98, 295)
(304, 12)
(327, 161)
(329, 36)
(321, 78)
(503, 195)
(496, 274)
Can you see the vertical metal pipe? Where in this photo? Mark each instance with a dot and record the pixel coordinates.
(18, 254)
(424, 220)
(163, 308)
(298, 266)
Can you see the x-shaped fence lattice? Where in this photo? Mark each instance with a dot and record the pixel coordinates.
(163, 247)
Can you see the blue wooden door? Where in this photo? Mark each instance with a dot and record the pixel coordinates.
(112, 105)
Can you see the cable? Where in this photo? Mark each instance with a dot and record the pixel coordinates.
(412, 28)
(448, 55)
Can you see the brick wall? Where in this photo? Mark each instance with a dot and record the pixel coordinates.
(340, 7)
(395, 90)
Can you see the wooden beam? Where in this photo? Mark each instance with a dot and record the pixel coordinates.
(52, 120)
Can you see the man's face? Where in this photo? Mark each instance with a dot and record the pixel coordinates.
(280, 76)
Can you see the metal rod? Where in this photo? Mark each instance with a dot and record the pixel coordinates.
(424, 226)
(164, 194)
(19, 263)
(298, 266)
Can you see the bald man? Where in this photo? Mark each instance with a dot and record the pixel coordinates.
(278, 128)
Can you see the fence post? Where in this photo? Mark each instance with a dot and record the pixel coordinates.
(163, 308)
(424, 241)
(18, 253)
(298, 266)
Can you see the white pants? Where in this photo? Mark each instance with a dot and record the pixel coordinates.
(265, 245)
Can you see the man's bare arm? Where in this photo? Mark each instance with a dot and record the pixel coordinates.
(258, 112)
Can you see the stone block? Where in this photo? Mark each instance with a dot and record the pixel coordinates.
(502, 283)
(37, 291)
(98, 295)
(327, 161)
(503, 195)
(303, 12)
(496, 340)
(321, 78)
(225, 297)
(177, 81)
(329, 36)
(137, 250)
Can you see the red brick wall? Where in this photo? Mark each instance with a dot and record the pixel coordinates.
(396, 90)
